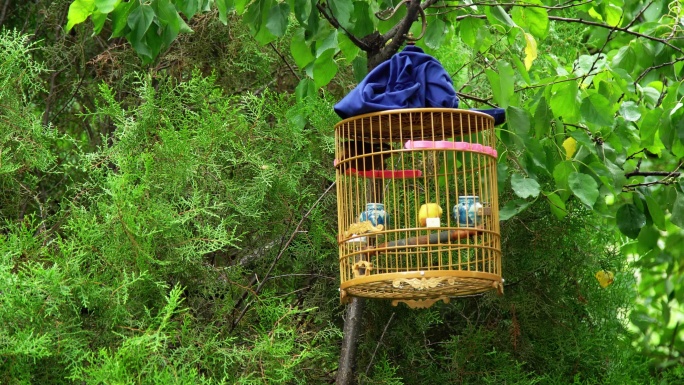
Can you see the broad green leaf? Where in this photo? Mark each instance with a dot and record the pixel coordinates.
(302, 10)
(324, 68)
(79, 11)
(570, 146)
(561, 173)
(120, 18)
(363, 19)
(596, 109)
(647, 239)
(534, 20)
(521, 69)
(525, 187)
(497, 15)
(502, 84)
(277, 19)
(630, 220)
(224, 6)
(139, 22)
(625, 58)
(300, 50)
(190, 7)
(167, 14)
(542, 118)
(613, 15)
(106, 6)
(469, 28)
(530, 50)
(630, 111)
(584, 187)
(656, 212)
(305, 88)
(518, 121)
(435, 32)
(649, 126)
(342, 11)
(678, 211)
(99, 20)
(564, 101)
(360, 68)
(557, 205)
(349, 50)
(513, 208)
(326, 43)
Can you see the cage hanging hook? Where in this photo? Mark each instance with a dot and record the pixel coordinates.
(389, 12)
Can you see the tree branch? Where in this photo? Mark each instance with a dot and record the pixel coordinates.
(667, 174)
(285, 61)
(336, 24)
(621, 29)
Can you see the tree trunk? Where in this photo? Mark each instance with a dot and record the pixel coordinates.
(352, 327)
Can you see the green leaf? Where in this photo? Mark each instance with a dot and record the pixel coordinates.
(306, 88)
(167, 14)
(99, 20)
(349, 50)
(324, 68)
(300, 50)
(139, 22)
(364, 20)
(434, 33)
(655, 211)
(190, 7)
(106, 6)
(518, 121)
(79, 11)
(564, 101)
(542, 119)
(497, 15)
(469, 28)
(302, 10)
(630, 220)
(534, 20)
(525, 187)
(596, 109)
(613, 15)
(649, 126)
(584, 187)
(120, 18)
(329, 42)
(360, 68)
(342, 11)
(277, 19)
(625, 58)
(561, 173)
(630, 111)
(502, 84)
(678, 211)
(224, 6)
(513, 208)
(557, 205)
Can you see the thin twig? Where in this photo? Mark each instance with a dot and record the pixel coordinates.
(378, 345)
(285, 61)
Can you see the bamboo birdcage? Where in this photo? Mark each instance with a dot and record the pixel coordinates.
(444, 159)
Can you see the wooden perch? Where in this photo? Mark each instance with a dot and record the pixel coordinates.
(432, 239)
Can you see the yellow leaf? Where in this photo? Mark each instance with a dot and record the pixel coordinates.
(570, 146)
(605, 278)
(530, 50)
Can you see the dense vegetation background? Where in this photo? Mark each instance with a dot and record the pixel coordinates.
(169, 219)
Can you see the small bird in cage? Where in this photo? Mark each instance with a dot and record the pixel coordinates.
(363, 150)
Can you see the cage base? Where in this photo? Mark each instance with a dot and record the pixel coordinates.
(421, 289)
